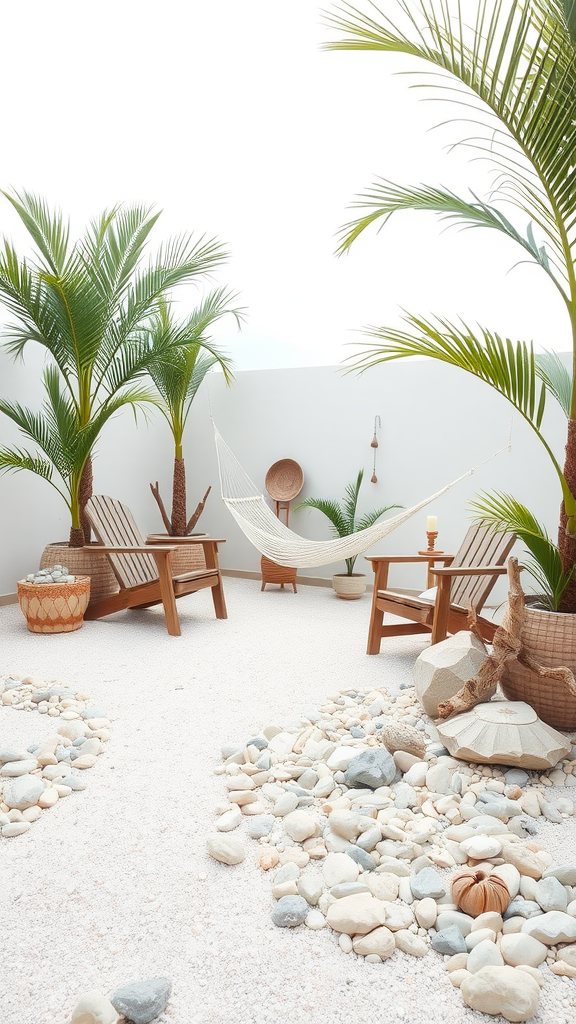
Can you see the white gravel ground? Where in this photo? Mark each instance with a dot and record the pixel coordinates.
(114, 883)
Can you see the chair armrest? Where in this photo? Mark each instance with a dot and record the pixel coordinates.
(130, 549)
(473, 570)
(158, 538)
(409, 558)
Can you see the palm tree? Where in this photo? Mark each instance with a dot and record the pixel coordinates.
(510, 65)
(178, 377)
(86, 303)
(342, 514)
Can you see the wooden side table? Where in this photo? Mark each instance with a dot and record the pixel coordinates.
(274, 573)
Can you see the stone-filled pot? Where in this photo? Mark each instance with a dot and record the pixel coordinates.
(349, 587)
(550, 637)
(80, 562)
(54, 607)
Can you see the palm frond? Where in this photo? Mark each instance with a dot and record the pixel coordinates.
(556, 378)
(332, 510)
(504, 513)
(350, 500)
(48, 228)
(370, 518)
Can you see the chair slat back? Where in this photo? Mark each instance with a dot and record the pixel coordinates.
(114, 524)
(481, 546)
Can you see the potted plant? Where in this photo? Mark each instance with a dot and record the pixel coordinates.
(349, 585)
(87, 304)
(177, 376)
(516, 69)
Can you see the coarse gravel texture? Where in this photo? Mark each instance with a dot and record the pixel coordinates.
(114, 883)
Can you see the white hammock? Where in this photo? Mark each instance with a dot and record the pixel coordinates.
(272, 538)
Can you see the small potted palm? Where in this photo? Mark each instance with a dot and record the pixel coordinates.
(349, 585)
(185, 355)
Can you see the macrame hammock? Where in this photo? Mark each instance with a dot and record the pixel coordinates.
(272, 538)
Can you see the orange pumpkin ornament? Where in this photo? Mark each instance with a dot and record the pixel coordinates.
(475, 892)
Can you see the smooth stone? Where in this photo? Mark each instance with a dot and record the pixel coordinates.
(347, 889)
(285, 804)
(457, 962)
(519, 907)
(404, 796)
(345, 943)
(484, 954)
(475, 938)
(315, 920)
(426, 912)
(369, 840)
(481, 847)
(489, 919)
(8, 754)
(290, 911)
(550, 812)
(380, 941)
(552, 928)
(300, 825)
(405, 761)
(409, 943)
(287, 873)
(516, 777)
(14, 769)
(498, 806)
(501, 990)
(371, 768)
(438, 779)
(383, 885)
(363, 859)
(568, 954)
(519, 948)
(226, 849)
(551, 894)
(347, 824)
(398, 917)
(23, 792)
(456, 919)
(356, 915)
(94, 1008)
(416, 775)
(85, 761)
(74, 782)
(339, 867)
(565, 873)
(142, 1001)
(524, 860)
(14, 828)
(449, 941)
(308, 780)
(229, 820)
(427, 883)
(310, 887)
(457, 977)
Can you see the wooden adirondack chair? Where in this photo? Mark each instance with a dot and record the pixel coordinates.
(464, 579)
(144, 570)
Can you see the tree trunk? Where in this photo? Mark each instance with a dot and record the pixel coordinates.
(85, 494)
(76, 537)
(179, 499)
(567, 545)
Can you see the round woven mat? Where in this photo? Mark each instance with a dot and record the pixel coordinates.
(284, 480)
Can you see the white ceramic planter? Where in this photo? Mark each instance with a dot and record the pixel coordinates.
(350, 588)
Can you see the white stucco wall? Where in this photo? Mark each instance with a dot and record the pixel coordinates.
(436, 424)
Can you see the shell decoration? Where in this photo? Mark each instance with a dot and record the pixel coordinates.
(476, 893)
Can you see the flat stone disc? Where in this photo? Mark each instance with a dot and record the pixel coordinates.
(507, 712)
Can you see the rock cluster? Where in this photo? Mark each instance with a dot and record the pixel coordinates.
(364, 841)
(34, 779)
(139, 1002)
(53, 574)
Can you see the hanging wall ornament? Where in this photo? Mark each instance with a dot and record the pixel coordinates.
(374, 445)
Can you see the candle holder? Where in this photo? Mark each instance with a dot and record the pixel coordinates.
(431, 550)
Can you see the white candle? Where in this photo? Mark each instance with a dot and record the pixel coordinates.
(432, 524)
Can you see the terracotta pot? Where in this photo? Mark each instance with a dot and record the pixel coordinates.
(54, 607)
(350, 588)
(550, 637)
(79, 562)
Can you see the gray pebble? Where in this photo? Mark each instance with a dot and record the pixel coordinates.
(550, 812)
(290, 911)
(427, 883)
(357, 732)
(516, 777)
(257, 741)
(142, 1001)
(260, 826)
(264, 761)
(343, 889)
(94, 712)
(365, 861)
(75, 782)
(372, 768)
(449, 941)
(519, 907)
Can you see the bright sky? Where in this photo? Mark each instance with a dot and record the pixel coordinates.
(227, 115)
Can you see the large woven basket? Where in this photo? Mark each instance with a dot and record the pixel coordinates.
(54, 607)
(284, 480)
(80, 562)
(188, 556)
(550, 637)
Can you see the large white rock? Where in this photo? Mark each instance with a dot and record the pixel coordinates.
(300, 825)
(227, 849)
(440, 671)
(380, 941)
(520, 948)
(503, 990)
(339, 868)
(94, 1008)
(484, 954)
(357, 915)
(552, 928)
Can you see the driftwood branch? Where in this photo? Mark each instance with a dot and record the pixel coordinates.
(168, 525)
(507, 646)
(198, 512)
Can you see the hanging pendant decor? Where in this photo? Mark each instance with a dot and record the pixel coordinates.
(374, 445)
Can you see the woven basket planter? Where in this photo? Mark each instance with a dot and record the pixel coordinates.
(188, 556)
(274, 573)
(350, 588)
(54, 607)
(79, 562)
(550, 637)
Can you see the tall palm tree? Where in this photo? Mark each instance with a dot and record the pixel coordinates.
(86, 304)
(510, 66)
(178, 377)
